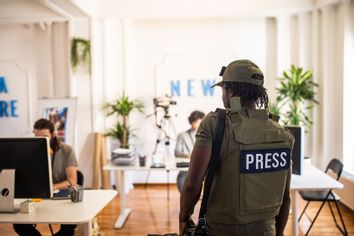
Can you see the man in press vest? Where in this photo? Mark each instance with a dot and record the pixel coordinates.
(250, 188)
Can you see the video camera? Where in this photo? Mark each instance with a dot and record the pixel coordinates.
(164, 102)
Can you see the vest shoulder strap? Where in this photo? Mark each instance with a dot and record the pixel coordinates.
(274, 117)
(214, 160)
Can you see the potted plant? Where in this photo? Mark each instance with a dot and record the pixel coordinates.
(81, 53)
(296, 97)
(122, 107)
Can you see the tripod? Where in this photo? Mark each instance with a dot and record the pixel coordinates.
(164, 125)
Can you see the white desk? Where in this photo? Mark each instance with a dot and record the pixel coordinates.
(120, 176)
(311, 179)
(64, 211)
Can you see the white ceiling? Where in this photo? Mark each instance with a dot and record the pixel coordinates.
(17, 11)
(198, 8)
(34, 11)
(24, 11)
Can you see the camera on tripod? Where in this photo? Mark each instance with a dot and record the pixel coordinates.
(163, 122)
(164, 102)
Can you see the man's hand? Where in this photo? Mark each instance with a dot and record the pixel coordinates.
(55, 187)
(182, 227)
(193, 184)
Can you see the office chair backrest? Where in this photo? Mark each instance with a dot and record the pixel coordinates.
(80, 178)
(336, 166)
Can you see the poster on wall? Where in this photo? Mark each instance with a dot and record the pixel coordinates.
(14, 99)
(62, 112)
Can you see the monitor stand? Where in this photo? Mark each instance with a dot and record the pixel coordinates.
(7, 190)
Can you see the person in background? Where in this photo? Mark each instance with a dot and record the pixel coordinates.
(64, 173)
(185, 142)
(250, 191)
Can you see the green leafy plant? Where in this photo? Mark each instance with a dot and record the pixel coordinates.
(274, 108)
(296, 97)
(122, 107)
(80, 53)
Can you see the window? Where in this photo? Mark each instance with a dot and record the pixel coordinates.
(348, 98)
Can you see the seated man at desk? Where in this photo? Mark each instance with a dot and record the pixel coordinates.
(64, 167)
(185, 142)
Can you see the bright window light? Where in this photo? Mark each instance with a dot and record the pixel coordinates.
(348, 98)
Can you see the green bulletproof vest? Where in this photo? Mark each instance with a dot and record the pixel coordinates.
(249, 183)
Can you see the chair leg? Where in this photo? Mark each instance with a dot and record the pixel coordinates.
(333, 215)
(344, 230)
(313, 221)
(51, 229)
(307, 204)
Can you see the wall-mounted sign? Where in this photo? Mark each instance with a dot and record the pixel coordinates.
(7, 107)
(14, 110)
(192, 87)
(186, 80)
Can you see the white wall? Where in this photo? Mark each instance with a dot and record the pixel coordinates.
(153, 42)
(82, 88)
(28, 45)
(190, 49)
(7, 45)
(348, 84)
(131, 55)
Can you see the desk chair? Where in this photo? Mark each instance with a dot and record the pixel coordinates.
(80, 181)
(324, 196)
(80, 178)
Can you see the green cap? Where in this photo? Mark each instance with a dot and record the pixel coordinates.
(243, 71)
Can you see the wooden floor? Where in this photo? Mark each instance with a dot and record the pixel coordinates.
(153, 213)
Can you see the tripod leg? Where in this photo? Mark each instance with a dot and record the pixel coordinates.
(156, 144)
(147, 178)
(168, 185)
(158, 140)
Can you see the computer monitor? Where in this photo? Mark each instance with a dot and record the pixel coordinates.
(298, 153)
(31, 160)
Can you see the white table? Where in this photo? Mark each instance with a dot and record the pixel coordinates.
(64, 211)
(120, 176)
(311, 179)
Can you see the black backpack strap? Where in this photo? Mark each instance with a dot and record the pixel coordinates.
(214, 161)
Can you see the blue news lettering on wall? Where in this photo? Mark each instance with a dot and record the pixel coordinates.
(192, 87)
(7, 107)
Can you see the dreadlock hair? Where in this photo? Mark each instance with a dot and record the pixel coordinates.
(47, 124)
(249, 94)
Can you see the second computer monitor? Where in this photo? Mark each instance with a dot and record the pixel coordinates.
(298, 153)
(31, 160)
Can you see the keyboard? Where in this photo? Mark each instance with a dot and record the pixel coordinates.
(62, 194)
(182, 164)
